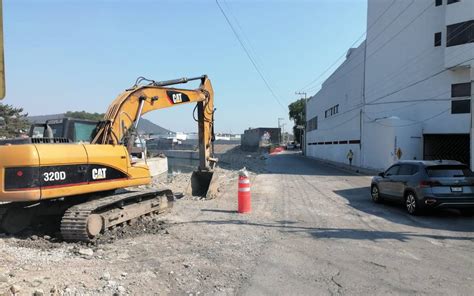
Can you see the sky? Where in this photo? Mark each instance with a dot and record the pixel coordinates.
(79, 55)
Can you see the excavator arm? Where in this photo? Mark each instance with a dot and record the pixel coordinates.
(122, 117)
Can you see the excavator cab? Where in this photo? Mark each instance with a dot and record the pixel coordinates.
(72, 129)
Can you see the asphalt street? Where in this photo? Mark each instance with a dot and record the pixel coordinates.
(332, 239)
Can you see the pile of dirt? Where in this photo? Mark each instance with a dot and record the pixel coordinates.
(140, 226)
(236, 159)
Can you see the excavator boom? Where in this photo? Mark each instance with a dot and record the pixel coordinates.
(122, 118)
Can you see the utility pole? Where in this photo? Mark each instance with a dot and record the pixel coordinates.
(281, 126)
(303, 144)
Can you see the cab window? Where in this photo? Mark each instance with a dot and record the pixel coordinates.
(83, 131)
(57, 130)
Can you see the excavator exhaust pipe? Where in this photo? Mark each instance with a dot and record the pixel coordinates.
(203, 184)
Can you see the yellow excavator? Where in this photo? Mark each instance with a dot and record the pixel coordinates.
(51, 176)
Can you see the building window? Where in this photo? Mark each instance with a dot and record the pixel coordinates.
(437, 39)
(461, 90)
(439, 2)
(331, 111)
(460, 33)
(312, 124)
(460, 106)
(453, 1)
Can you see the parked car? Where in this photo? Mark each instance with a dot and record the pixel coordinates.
(290, 146)
(423, 185)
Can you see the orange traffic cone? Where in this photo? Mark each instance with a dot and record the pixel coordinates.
(244, 201)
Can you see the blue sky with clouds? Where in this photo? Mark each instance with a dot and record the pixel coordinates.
(79, 55)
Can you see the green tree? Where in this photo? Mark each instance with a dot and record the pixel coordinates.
(297, 114)
(13, 121)
(85, 115)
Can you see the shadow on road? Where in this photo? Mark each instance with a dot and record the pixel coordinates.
(297, 164)
(218, 211)
(334, 233)
(452, 220)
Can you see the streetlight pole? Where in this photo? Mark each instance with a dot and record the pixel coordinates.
(304, 119)
(280, 126)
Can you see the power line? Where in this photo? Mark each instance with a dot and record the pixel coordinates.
(252, 50)
(338, 125)
(382, 46)
(401, 70)
(433, 98)
(250, 57)
(344, 53)
(423, 55)
(362, 104)
(416, 82)
(409, 124)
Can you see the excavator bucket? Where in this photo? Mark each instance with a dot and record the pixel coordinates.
(203, 184)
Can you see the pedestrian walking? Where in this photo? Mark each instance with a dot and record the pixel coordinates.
(350, 156)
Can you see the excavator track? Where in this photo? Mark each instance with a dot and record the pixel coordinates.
(85, 221)
(3, 212)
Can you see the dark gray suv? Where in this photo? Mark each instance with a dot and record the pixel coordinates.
(422, 185)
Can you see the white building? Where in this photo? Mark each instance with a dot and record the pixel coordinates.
(405, 92)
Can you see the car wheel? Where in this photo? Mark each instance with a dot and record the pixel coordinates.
(411, 204)
(375, 193)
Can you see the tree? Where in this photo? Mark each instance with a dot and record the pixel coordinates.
(85, 115)
(297, 114)
(13, 121)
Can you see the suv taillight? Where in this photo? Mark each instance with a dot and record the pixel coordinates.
(425, 184)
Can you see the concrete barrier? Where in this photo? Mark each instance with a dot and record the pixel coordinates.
(182, 154)
(157, 165)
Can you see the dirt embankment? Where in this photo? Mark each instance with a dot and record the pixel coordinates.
(165, 255)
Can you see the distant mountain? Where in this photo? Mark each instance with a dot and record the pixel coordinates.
(147, 127)
(144, 126)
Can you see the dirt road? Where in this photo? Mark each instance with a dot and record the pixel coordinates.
(313, 231)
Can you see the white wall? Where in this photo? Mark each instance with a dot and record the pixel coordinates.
(391, 134)
(404, 54)
(343, 87)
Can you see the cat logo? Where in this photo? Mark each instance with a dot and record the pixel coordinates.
(99, 174)
(177, 98)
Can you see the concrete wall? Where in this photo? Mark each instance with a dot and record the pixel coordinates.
(390, 135)
(157, 165)
(345, 89)
(182, 154)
